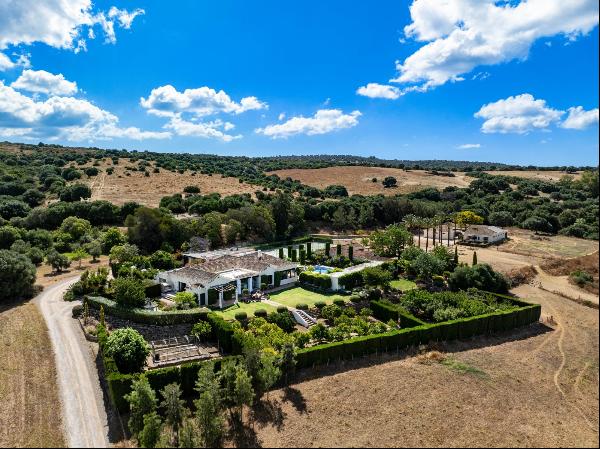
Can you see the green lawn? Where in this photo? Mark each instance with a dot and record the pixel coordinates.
(403, 284)
(295, 296)
(250, 308)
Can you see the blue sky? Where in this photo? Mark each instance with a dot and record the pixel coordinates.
(299, 65)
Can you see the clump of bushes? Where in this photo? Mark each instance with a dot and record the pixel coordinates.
(444, 306)
(480, 276)
(128, 349)
(581, 278)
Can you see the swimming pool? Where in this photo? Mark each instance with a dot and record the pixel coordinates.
(322, 269)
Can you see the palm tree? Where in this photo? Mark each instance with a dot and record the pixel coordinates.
(411, 222)
(427, 224)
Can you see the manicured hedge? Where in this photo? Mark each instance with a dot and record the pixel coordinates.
(222, 331)
(158, 318)
(316, 279)
(385, 312)
(153, 290)
(351, 280)
(421, 334)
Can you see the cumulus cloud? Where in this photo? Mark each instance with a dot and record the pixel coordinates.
(461, 35)
(166, 101)
(184, 109)
(518, 114)
(579, 118)
(202, 129)
(324, 121)
(375, 90)
(58, 23)
(40, 81)
(469, 146)
(59, 117)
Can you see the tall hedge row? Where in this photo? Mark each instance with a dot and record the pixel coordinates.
(385, 312)
(316, 279)
(351, 280)
(157, 318)
(425, 333)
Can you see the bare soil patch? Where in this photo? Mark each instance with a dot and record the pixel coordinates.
(564, 267)
(542, 175)
(127, 185)
(29, 407)
(46, 277)
(359, 180)
(533, 387)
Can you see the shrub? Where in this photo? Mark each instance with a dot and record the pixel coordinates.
(261, 313)
(282, 309)
(581, 277)
(202, 330)
(77, 311)
(185, 300)
(302, 306)
(331, 312)
(17, 275)
(241, 316)
(320, 304)
(339, 302)
(128, 349)
(129, 292)
(480, 276)
(284, 320)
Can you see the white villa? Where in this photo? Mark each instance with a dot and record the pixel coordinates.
(220, 280)
(484, 234)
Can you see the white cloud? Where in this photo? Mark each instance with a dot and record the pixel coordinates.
(375, 90)
(125, 17)
(202, 129)
(57, 23)
(281, 116)
(579, 118)
(468, 146)
(65, 118)
(324, 121)
(519, 114)
(6, 63)
(461, 35)
(44, 82)
(166, 101)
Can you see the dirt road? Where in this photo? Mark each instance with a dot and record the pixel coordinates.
(84, 416)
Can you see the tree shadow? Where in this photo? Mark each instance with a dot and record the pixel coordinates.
(295, 397)
(267, 412)
(243, 435)
(117, 430)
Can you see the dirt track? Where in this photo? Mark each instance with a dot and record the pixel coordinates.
(84, 416)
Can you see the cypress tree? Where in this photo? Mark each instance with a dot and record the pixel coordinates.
(474, 257)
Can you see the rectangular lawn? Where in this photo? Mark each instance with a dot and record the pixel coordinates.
(250, 308)
(403, 284)
(295, 296)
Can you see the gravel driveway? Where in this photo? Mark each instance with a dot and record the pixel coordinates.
(84, 415)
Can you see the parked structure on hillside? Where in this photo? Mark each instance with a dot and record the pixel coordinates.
(218, 281)
(483, 234)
